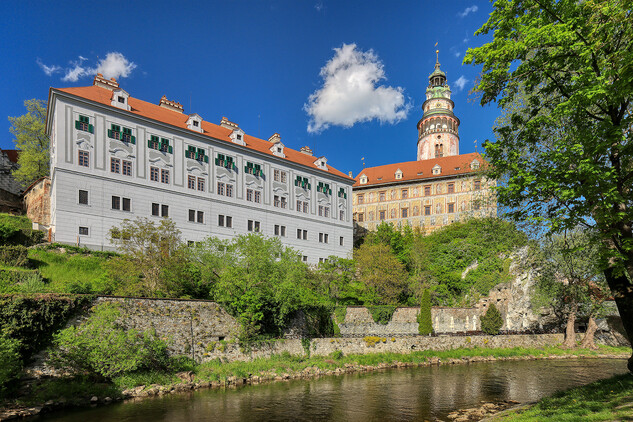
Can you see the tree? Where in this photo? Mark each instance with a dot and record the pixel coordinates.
(382, 274)
(492, 321)
(574, 62)
(570, 281)
(425, 322)
(151, 253)
(32, 141)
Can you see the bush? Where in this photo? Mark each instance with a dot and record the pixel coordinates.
(11, 362)
(492, 321)
(425, 323)
(14, 255)
(381, 314)
(102, 347)
(16, 230)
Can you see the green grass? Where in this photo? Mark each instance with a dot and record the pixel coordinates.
(606, 400)
(21, 222)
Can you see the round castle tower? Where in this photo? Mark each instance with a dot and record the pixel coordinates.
(438, 128)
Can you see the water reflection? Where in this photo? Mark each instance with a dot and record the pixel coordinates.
(394, 395)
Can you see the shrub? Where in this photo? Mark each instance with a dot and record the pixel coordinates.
(381, 314)
(11, 362)
(102, 347)
(492, 321)
(14, 255)
(425, 323)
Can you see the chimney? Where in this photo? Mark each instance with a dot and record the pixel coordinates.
(110, 84)
(350, 174)
(275, 138)
(170, 105)
(306, 150)
(228, 124)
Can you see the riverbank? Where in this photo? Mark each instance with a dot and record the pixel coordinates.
(52, 394)
(606, 400)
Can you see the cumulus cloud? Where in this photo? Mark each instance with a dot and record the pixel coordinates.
(350, 93)
(461, 82)
(468, 10)
(49, 70)
(115, 65)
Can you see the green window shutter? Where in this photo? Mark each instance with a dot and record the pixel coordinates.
(91, 129)
(206, 159)
(110, 133)
(77, 124)
(217, 161)
(171, 151)
(149, 143)
(133, 140)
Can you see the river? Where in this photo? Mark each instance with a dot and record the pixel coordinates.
(416, 394)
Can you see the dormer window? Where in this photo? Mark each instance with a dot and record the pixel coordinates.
(278, 149)
(398, 174)
(194, 122)
(363, 179)
(237, 137)
(119, 99)
(321, 163)
(437, 169)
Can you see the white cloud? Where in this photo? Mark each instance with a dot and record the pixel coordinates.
(350, 95)
(115, 65)
(49, 70)
(461, 82)
(468, 10)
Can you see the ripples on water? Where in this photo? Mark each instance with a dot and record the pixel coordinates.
(416, 394)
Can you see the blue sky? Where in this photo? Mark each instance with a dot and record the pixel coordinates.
(346, 78)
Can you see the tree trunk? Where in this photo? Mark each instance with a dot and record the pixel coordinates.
(588, 341)
(570, 330)
(622, 291)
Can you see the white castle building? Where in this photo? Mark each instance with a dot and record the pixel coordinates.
(115, 157)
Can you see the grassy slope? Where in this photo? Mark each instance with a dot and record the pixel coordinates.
(605, 400)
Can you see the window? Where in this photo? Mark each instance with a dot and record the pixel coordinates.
(341, 215)
(323, 238)
(191, 182)
(84, 158)
(164, 176)
(196, 216)
(279, 176)
(276, 201)
(84, 124)
(280, 230)
(326, 211)
(196, 123)
(254, 169)
(320, 210)
(340, 241)
(192, 215)
(83, 231)
(225, 221)
(121, 134)
(116, 202)
(200, 183)
(253, 226)
(451, 188)
(249, 195)
(302, 182)
(258, 196)
(477, 184)
(115, 165)
(127, 168)
(224, 161)
(305, 207)
(427, 210)
(304, 258)
(361, 217)
(382, 215)
(302, 206)
(221, 188)
(360, 199)
(284, 202)
(405, 193)
(381, 196)
(302, 234)
(155, 209)
(427, 190)
(83, 197)
(164, 211)
(126, 202)
(153, 174)
(405, 212)
(451, 207)
(324, 188)
(229, 190)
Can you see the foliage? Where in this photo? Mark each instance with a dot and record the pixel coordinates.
(262, 283)
(564, 152)
(382, 275)
(11, 361)
(13, 255)
(102, 347)
(32, 319)
(381, 314)
(154, 260)
(17, 230)
(425, 322)
(441, 258)
(338, 276)
(32, 141)
(492, 321)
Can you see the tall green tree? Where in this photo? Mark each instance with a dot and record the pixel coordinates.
(425, 321)
(32, 141)
(574, 62)
(383, 276)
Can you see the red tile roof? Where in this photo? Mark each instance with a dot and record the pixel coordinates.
(418, 170)
(155, 112)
